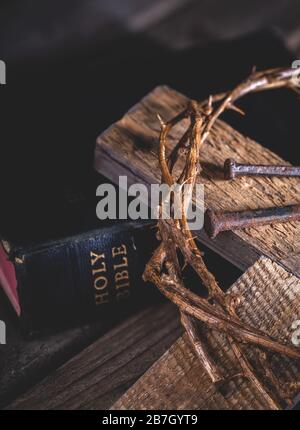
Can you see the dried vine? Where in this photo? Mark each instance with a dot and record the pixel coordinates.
(218, 312)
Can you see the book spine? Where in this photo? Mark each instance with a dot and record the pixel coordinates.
(83, 278)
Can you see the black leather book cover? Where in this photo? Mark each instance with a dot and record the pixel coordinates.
(83, 276)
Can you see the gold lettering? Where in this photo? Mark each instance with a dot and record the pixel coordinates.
(101, 269)
(103, 283)
(124, 264)
(120, 276)
(101, 298)
(127, 285)
(95, 257)
(119, 250)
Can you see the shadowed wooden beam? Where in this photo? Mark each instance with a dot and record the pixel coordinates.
(100, 374)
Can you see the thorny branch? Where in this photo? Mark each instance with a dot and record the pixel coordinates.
(218, 312)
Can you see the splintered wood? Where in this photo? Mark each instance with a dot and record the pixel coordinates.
(270, 301)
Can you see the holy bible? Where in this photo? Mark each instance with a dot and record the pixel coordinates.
(77, 278)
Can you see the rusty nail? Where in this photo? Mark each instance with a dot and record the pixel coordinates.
(216, 222)
(233, 169)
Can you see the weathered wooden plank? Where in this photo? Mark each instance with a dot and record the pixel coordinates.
(270, 300)
(130, 147)
(97, 377)
(26, 361)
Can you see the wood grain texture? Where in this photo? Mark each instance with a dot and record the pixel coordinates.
(130, 147)
(100, 374)
(26, 361)
(270, 300)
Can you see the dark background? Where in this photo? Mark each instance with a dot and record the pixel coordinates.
(73, 68)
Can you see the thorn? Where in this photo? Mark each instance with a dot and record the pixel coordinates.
(237, 109)
(254, 69)
(162, 123)
(237, 375)
(187, 179)
(184, 266)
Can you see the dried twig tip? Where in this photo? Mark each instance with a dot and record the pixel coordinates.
(161, 121)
